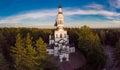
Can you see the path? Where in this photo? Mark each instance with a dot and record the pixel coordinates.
(77, 60)
(110, 61)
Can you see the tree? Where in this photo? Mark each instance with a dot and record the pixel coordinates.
(89, 44)
(102, 36)
(30, 54)
(41, 51)
(117, 54)
(18, 53)
(3, 63)
(2, 40)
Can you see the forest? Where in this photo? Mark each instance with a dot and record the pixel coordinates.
(25, 48)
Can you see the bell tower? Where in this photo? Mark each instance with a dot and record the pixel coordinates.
(60, 18)
(60, 32)
(59, 41)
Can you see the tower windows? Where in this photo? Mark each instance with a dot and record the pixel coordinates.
(60, 35)
(60, 21)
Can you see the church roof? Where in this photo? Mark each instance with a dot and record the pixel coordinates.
(60, 6)
(59, 12)
(55, 23)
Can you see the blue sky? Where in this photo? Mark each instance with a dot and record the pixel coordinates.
(42, 13)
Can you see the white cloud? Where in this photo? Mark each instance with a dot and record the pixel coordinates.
(94, 6)
(115, 3)
(50, 13)
(28, 15)
(96, 24)
(91, 12)
(15, 20)
(116, 22)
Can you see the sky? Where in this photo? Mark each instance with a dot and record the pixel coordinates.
(42, 13)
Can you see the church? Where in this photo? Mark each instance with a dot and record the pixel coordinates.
(59, 45)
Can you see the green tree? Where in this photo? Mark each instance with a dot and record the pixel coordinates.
(30, 54)
(18, 53)
(3, 63)
(117, 54)
(89, 44)
(2, 40)
(41, 51)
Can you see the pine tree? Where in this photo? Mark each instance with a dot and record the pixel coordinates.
(41, 48)
(41, 53)
(3, 63)
(30, 53)
(29, 57)
(18, 53)
(2, 41)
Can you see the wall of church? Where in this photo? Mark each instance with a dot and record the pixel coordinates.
(60, 19)
(60, 34)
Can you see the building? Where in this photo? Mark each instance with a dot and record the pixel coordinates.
(59, 41)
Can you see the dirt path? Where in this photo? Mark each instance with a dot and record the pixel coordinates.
(110, 61)
(77, 60)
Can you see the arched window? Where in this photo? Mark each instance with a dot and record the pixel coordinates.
(60, 35)
(60, 21)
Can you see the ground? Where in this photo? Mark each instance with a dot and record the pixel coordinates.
(110, 60)
(77, 60)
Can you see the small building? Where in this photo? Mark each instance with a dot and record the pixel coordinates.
(59, 41)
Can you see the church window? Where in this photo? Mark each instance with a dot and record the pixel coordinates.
(60, 22)
(60, 35)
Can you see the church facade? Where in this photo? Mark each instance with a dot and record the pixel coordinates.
(59, 42)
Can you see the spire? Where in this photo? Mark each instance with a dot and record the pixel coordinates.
(60, 9)
(59, 23)
(60, 6)
(55, 23)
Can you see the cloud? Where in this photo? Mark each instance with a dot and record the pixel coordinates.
(53, 12)
(28, 15)
(91, 12)
(96, 24)
(115, 3)
(94, 6)
(116, 22)
(50, 14)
